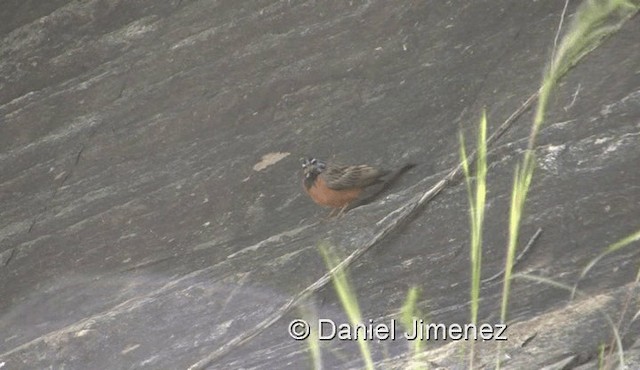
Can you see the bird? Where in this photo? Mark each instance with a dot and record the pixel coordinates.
(336, 186)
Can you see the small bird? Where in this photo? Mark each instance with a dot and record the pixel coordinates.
(337, 186)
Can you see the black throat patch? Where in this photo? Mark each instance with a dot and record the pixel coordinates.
(311, 179)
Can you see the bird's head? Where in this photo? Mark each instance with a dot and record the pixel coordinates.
(312, 167)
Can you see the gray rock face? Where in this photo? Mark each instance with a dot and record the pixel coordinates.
(151, 211)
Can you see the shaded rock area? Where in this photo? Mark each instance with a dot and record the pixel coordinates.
(151, 209)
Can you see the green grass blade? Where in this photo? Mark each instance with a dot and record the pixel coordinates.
(348, 300)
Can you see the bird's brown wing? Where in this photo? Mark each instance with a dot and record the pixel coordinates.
(348, 177)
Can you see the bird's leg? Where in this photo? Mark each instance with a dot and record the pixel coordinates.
(342, 210)
(331, 214)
